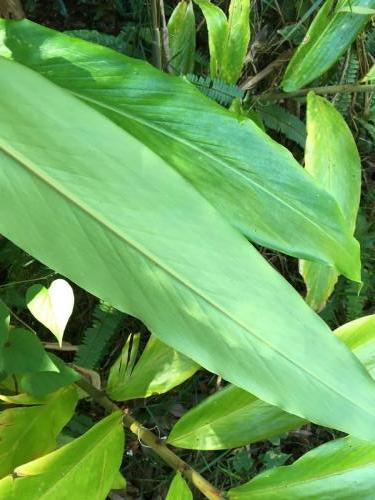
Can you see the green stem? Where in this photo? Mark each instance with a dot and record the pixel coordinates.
(154, 442)
(328, 89)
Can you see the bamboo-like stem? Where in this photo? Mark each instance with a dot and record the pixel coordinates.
(11, 9)
(154, 442)
(156, 42)
(328, 89)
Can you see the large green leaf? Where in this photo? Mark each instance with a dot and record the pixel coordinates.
(157, 371)
(181, 30)
(233, 417)
(332, 158)
(228, 39)
(84, 468)
(340, 469)
(24, 352)
(28, 433)
(330, 34)
(179, 490)
(129, 229)
(253, 181)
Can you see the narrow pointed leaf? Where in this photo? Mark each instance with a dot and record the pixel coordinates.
(151, 246)
(53, 306)
(217, 27)
(28, 433)
(157, 371)
(181, 30)
(233, 417)
(179, 490)
(340, 469)
(238, 38)
(253, 181)
(228, 39)
(331, 157)
(330, 34)
(84, 468)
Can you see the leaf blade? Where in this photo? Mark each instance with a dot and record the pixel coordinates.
(241, 179)
(220, 316)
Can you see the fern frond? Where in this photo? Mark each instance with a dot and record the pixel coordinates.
(219, 91)
(96, 339)
(118, 43)
(349, 75)
(370, 40)
(279, 119)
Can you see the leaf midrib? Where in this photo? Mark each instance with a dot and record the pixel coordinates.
(213, 158)
(29, 166)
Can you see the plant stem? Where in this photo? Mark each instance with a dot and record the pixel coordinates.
(328, 89)
(11, 9)
(153, 442)
(156, 42)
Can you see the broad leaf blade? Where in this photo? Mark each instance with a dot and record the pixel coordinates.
(84, 468)
(233, 417)
(332, 158)
(241, 177)
(153, 247)
(181, 30)
(157, 371)
(28, 433)
(344, 468)
(179, 490)
(330, 34)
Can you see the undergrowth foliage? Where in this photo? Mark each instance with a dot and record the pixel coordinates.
(187, 195)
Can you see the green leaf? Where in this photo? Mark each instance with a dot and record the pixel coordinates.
(358, 10)
(253, 181)
(122, 368)
(232, 417)
(28, 433)
(84, 468)
(370, 75)
(23, 352)
(228, 39)
(42, 382)
(164, 255)
(181, 30)
(53, 306)
(217, 27)
(344, 468)
(157, 371)
(178, 489)
(331, 157)
(330, 34)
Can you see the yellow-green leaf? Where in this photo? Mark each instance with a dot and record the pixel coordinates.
(84, 468)
(331, 157)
